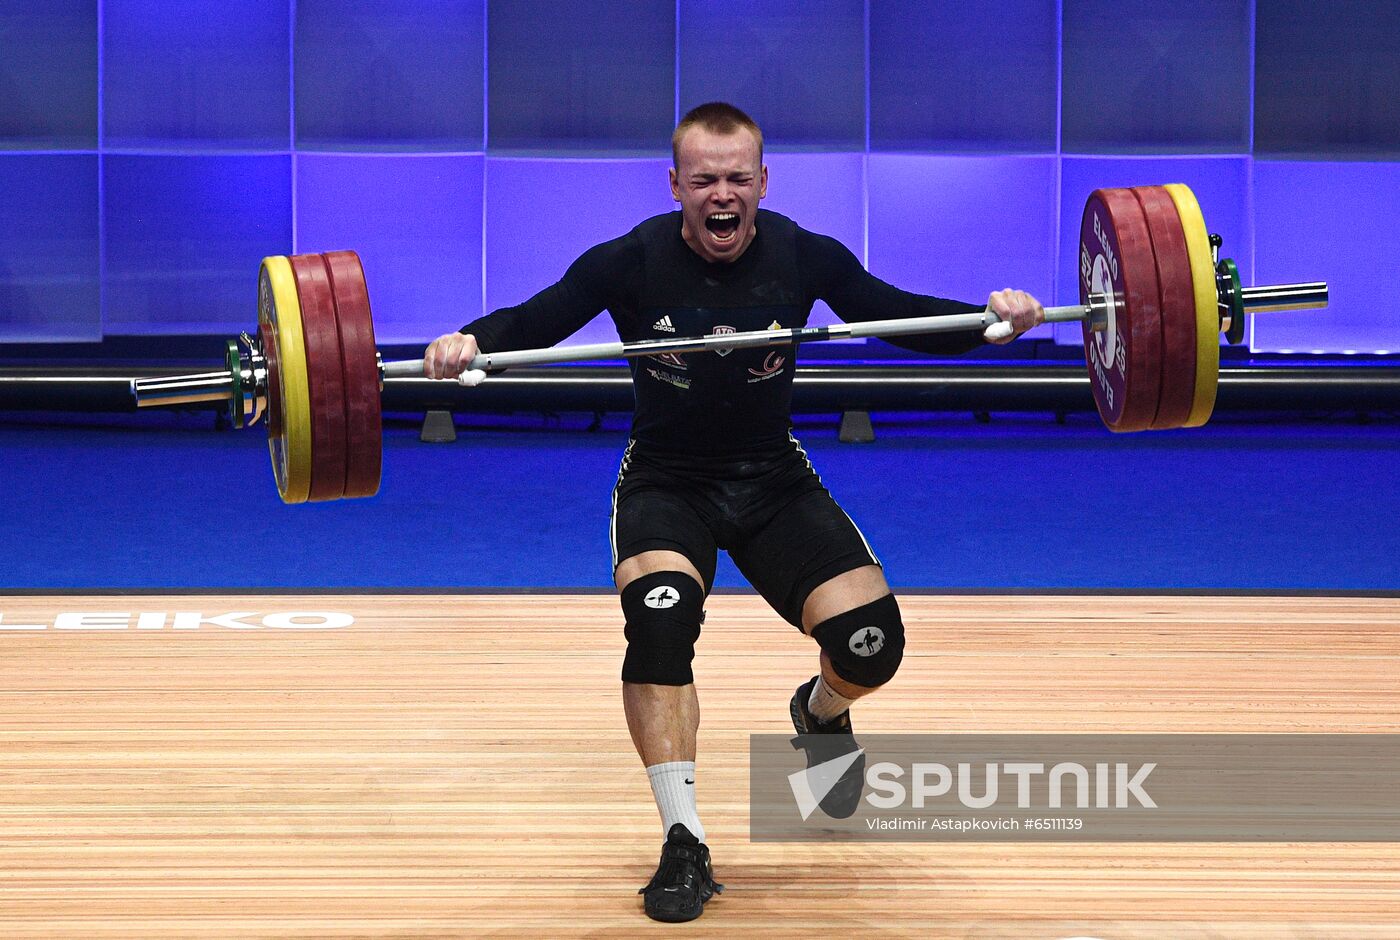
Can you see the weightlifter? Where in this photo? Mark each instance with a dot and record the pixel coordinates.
(712, 463)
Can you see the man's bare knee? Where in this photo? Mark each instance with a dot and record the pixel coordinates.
(844, 592)
(630, 569)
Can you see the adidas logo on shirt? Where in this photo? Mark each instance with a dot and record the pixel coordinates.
(664, 325)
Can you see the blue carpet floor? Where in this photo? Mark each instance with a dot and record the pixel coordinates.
(947, 503)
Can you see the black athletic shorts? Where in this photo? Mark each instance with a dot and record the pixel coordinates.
(778, 522)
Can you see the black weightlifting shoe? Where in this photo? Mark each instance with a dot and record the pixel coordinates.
(826, 741)
(683, 881)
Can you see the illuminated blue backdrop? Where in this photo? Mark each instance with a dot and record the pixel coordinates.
(151, 152)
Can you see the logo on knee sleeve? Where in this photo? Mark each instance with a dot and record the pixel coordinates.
(659, 598)
(868, 642)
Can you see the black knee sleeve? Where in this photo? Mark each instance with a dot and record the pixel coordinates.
(663, 611)
(865, 644)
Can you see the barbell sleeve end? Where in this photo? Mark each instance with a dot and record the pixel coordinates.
(181, 389)
(1270, 298)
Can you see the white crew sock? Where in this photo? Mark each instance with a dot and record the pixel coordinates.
(673, 785)
(825, 702)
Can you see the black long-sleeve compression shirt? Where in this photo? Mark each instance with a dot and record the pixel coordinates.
(730, 403)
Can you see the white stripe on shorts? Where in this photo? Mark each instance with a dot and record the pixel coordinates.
(612, 517)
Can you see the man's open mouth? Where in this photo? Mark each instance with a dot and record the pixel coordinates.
(722, 225)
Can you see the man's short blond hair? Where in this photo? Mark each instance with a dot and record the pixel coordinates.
(717, 117)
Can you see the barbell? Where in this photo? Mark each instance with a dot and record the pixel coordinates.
(1154, 298)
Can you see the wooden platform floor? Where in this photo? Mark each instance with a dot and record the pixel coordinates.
(458, 766)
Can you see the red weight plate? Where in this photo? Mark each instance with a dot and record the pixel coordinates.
(365, 444)
(325, 377)
(274, 379)
(1115, 259)
(1178, 310)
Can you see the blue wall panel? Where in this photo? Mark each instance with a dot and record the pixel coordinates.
(958, 77)
(822, 192)
(1148, 77)
(416, 223)
(49, 288)
(962, 227)
(796, 66)
(543, 214)
(48, 74)
(184, 238)
(1330, 222)
(581, 74)
(1328, 78)
(200, 74)
(385, 75)
(1099, 92)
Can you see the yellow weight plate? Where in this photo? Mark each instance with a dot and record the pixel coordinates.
(290, 445)
(1207, 315)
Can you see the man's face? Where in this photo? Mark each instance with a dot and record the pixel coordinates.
(718, 182)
